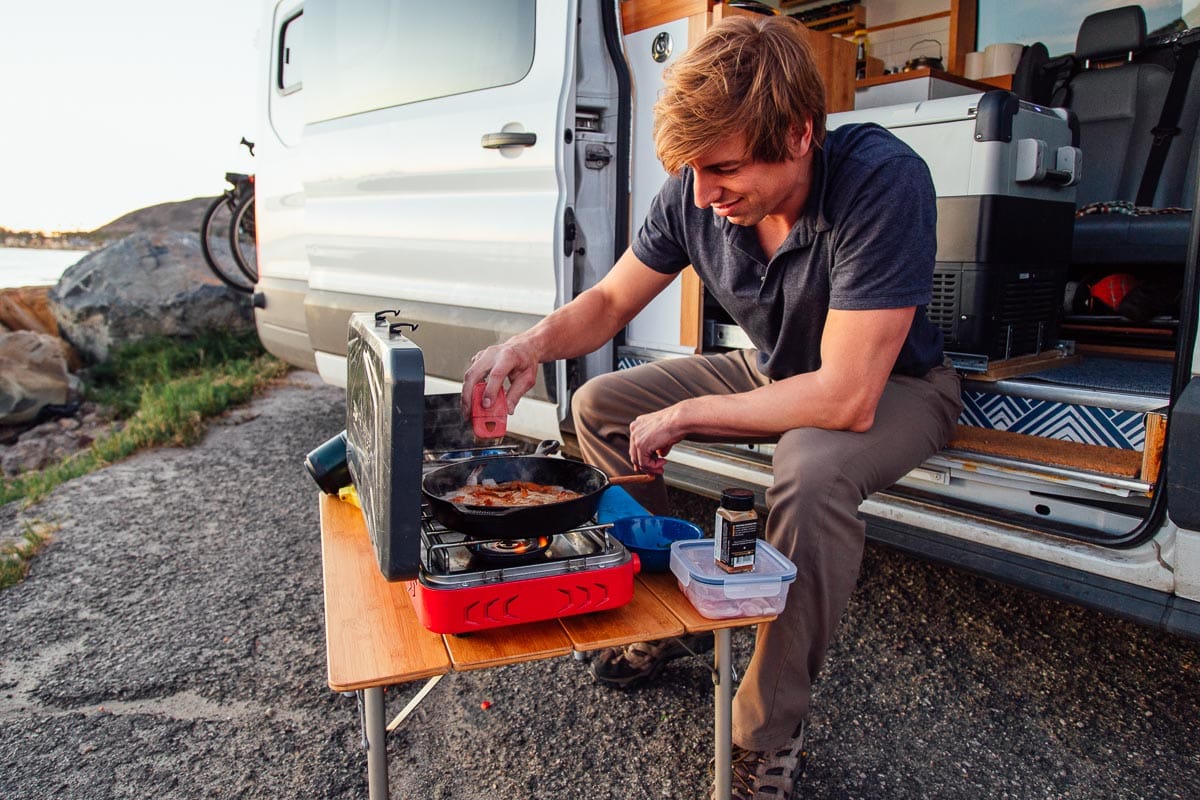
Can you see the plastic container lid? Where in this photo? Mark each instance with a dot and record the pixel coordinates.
(692, 560)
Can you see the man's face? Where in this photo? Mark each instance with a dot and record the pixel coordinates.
(746, 191)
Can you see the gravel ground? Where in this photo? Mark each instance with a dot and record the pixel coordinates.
(168, 643)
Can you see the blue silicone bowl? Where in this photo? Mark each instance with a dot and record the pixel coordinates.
(650, 538)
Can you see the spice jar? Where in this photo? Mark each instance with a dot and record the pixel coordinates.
(735, 532)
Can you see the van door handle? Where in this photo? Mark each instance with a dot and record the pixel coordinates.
(494, 141)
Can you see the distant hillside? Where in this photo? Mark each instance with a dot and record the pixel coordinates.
(183, 215)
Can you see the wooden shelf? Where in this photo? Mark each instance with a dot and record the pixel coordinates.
(923, 72)
(839, 24)
(999, 81)
(900, 23)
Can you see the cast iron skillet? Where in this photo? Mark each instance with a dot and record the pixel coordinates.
(515, 522)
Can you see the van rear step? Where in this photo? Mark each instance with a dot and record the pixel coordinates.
(1101, 401)
(1053, 452)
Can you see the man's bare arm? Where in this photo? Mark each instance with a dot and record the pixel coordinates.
(858, 351)
(577, 328)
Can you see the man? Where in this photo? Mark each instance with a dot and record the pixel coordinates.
(822, 249)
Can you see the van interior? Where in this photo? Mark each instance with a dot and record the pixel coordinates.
(1067, 379)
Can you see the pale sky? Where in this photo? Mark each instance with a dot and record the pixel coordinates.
(116, 105)
(113, 105)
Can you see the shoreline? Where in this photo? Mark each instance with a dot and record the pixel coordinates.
(82, 246)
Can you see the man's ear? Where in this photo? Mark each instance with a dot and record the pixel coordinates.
(800, 139)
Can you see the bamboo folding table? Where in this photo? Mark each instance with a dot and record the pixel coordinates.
(373, 637)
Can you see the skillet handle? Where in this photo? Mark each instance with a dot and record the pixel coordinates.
(625, 480)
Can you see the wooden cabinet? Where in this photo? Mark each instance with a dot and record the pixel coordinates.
(963, 19)
(835, 56)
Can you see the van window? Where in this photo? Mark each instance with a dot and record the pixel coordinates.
(369, 54)
(1056, 25)
(290, 37)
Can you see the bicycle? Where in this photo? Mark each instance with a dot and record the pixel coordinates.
(242, 240)
(227, 232)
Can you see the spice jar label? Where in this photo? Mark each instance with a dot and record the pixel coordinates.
(735, 543)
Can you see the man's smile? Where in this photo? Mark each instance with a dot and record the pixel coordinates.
(726, 208)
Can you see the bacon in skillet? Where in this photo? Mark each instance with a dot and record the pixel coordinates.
(510, 493)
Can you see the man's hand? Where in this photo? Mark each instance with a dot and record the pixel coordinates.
(651, 437)
(513, 361)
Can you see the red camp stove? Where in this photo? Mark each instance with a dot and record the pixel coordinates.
(470, 584)
(458, 583)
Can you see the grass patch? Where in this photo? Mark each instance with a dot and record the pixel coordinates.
(15, 557)
(164, 389)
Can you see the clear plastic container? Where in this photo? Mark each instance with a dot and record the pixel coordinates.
(717, 594)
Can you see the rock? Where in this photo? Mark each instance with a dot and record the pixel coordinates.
(147, 284)
(27, 309)
(33, 374)
(25, 456)
(29, 449)
(182, 215)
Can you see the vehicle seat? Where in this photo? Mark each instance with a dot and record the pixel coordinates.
(1117, 96)
(1031, 81)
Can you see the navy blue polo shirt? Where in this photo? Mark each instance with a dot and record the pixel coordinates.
(866, 239)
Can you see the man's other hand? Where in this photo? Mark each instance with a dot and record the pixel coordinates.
(651, 437)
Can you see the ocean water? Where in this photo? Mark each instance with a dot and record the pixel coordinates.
(22, 266)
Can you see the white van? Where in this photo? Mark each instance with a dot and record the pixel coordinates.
(477, 164)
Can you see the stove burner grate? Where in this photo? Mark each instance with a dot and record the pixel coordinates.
(511, 550)
(452, 556)
(463, 453)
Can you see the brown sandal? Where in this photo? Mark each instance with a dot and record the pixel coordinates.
(629, 666)
(770, 775)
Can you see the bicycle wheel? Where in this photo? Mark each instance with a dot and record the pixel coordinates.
(241, 238)
(214, 244)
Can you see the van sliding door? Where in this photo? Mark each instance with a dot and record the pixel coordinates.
(435, 141)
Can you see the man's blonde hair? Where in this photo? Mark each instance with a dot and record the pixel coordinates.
(755, 76)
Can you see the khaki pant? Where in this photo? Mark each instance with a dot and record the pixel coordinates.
(821, 478)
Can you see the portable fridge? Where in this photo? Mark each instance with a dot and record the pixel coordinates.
(1004, 171)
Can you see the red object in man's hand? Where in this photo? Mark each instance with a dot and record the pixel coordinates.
(488, 423)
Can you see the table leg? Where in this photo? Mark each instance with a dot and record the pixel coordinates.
(374, 722)
(723, 699)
